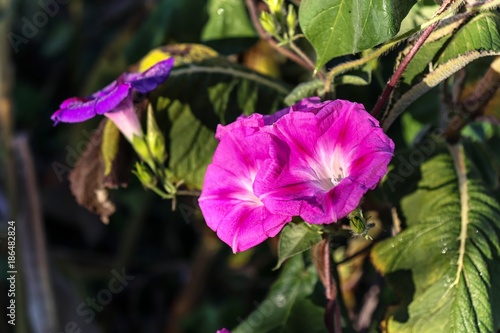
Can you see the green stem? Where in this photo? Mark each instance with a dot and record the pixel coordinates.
(161, 193)
(189, 193)
(301, 54)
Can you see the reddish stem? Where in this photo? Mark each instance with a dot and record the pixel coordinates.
(402, 67)
(265, 36)
(332, 311)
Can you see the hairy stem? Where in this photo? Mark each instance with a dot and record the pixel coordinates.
(399, 72)
(353, 64)
(406, 61)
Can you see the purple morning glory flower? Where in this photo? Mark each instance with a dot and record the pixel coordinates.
(224, 330)
(337, 154)
(115, 101)
(228, 200)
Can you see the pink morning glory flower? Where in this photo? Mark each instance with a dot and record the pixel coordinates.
(224, 330)
(315, 160)
(228, 200)
(115, 101)
(337, 153)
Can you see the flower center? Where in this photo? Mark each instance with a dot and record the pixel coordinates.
(329, 169)
(246, 193)
(336, 179)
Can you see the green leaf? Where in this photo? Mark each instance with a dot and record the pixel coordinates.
(289, 306)
(340, 27)
(482, 33)
(199, 96)
(227, 19)
(356, 78)
(447, 43)
(361, 76)
(426, 56)
(482, 145)
(448, 258)
(229, 29)
(480, 37)
(296, 238)
(419, 14)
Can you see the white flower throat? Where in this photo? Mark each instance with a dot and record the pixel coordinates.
(329, 170)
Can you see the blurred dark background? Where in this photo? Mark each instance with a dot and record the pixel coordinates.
(150, 269)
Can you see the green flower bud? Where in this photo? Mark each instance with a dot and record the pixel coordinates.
(268, 23)
(155, 138)
(144, 175)
(291, 20)
(274, 5)
(358, 224)
(141, 148)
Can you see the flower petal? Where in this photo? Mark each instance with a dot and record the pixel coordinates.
(125, 118)
(73, 101)
(312, 104)
(255, 121)
(300, 131)
(108, 102)
(223, 330)
(106, 90)
(228, 201)
(74, 110)
(152, 77)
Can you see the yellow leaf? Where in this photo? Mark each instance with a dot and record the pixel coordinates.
(183, 54)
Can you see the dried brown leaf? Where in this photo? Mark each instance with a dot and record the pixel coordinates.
(87, 181)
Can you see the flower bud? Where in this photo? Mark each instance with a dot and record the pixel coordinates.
(155, 138)
(274, 5)
(144, 175)
(359, 225)
(268, 23)
(291, 20)
(141, 148)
